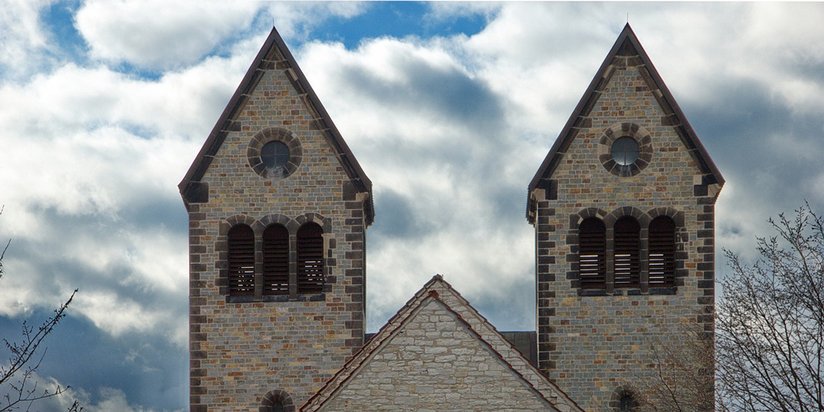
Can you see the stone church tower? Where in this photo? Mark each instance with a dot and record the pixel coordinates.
(623, 210)
(278, 208)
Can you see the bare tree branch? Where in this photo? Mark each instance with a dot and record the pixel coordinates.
(18, 380)
(770, 323)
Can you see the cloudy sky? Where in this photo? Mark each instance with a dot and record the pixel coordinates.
(449, 108)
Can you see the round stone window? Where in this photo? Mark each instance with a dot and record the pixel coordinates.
(274, 153)
(625, 151)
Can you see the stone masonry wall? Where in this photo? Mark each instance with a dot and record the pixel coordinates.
(592, 346)
(436, 364)
(240, 351)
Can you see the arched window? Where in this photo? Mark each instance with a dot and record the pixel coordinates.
(276, 260)
(661, 252)
(241, 260)
(627, 244)
(310, 258)
(277, 401)
(592, 253)
(627, 402)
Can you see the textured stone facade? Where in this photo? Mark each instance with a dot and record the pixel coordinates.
(595, 342)
(439, 353)
(256, 351)
(437, 365)
(246, 348)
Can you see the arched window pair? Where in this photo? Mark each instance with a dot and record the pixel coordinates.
(275, 275)
(626, 252)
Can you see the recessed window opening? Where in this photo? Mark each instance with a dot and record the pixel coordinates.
(625, 151)
(627, 245)
(276, 260)
(661, 252)
(310, 258)
(592, 253)
(241, 260)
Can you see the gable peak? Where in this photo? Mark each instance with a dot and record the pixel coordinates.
(273, 55)
(625, 52)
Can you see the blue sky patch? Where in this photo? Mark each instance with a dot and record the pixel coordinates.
(59, 18)
(396, 19)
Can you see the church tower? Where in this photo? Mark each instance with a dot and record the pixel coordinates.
(278, 209)
(623, 210)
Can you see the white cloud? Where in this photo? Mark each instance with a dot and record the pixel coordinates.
(450, 128)
(103, 152)
(107, 400)
(22, 39)
(295, 19)
(159, 34)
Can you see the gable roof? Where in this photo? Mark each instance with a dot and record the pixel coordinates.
(268, 59)
(439, 290)
(627, 44)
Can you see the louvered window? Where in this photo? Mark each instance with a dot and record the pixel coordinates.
(276, 260)
(241, 260)
(592, 254)
(661, 252)
(310, 258)
(627, 245)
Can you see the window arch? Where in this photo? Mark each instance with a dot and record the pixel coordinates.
(310, 276)
(661, 252)
(277, 401)
(276, 260)
(592, 253)
(241, 249)
(627, 236)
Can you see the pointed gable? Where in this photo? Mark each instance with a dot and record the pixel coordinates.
(438, 353)
(274, 55)
(627, 51)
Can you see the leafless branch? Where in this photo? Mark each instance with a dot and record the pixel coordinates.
(770, 324)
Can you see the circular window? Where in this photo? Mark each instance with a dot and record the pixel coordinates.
(625, 151)
(274, 155)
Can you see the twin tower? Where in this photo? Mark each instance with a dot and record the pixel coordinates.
(623, 211)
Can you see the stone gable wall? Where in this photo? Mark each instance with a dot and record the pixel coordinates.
(436, 364)
(240, 351)
(591, 346)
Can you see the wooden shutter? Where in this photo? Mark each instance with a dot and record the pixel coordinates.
(626, 252)
(592, 254)
(276, 260)
(241, 260)
(661, 252)
(310, 258)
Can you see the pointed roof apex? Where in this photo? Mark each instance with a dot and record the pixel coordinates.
(627, 44)
(274, 55)
(440, 290)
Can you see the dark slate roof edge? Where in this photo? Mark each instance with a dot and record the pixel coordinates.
(217, 135)
(563, 140)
